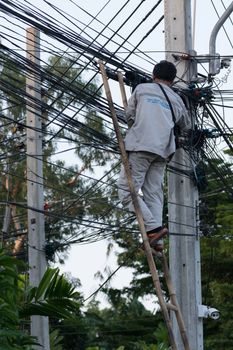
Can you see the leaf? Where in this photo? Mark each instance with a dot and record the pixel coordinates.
(51, 285)
(45, 282)
(56, 310)
(31, 293)
(17, 339)
(54, 297)
(55, 340)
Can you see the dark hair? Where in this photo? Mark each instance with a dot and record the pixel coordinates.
(165, 70)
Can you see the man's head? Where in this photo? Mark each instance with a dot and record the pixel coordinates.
(164, 70)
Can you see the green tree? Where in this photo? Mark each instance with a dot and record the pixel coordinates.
(11, 337)
(126, 323)
(216, 253)
(54, 297)
(64, 89)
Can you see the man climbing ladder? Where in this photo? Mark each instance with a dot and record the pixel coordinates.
(165, 307)
(153, 111)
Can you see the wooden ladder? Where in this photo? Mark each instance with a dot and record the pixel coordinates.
(173, 304)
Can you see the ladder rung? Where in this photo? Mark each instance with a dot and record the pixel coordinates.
(171, 306)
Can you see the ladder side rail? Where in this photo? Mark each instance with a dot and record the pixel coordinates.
(174, 303)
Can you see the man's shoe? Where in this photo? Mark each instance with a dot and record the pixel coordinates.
(155, 239)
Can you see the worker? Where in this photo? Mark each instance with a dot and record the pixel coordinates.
(150, 144)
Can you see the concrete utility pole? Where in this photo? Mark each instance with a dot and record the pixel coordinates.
(36, 232)
(183, 195)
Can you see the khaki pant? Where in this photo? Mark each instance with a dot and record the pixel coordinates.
(147, 171)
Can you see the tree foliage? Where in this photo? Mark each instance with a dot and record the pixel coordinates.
(126, 324)
(55, 297)
(11, 336)
(65, 89)
(217, 255)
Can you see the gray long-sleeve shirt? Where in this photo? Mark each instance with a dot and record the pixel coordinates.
(152, 128)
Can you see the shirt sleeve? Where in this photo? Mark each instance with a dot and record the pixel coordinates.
(184, 121)
(130, 111)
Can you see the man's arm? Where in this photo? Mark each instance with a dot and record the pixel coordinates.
(130, 111)
(184, 121)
